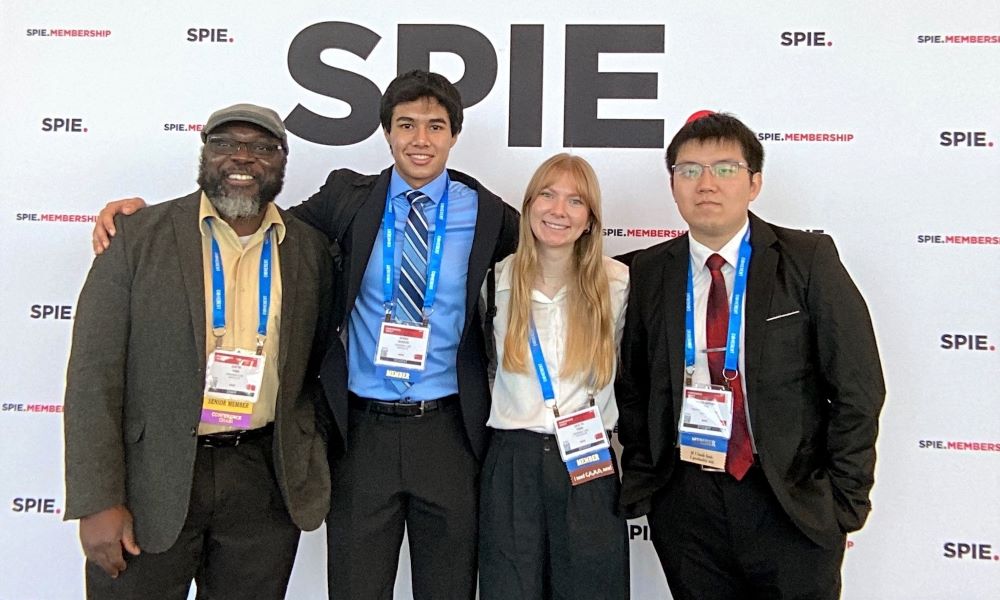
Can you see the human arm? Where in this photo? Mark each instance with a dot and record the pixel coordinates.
(93, 411)
(632, 389)
(851, 374)
(104, 228)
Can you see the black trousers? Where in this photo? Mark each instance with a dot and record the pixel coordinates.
(417, 472)
(541, 537)
(721, 539)
(238, 540)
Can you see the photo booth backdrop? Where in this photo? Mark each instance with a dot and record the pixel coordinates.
(879, 122)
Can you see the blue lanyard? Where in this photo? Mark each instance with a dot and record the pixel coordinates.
(433, 261)
(541, 369)
(263, 287)
(735, 312)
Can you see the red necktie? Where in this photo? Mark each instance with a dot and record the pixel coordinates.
(739, 458)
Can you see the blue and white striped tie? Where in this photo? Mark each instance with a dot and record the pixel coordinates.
(413, 271)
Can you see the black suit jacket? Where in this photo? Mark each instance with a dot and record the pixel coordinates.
(348, 209)
(813, 378)
(137, 371)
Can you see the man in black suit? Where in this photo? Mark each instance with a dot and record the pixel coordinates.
(753, 453)
(404, 453)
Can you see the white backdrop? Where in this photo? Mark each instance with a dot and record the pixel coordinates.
(913, 206)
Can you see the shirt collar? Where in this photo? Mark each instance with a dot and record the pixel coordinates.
(434, 190)
(730, 251)
(207, 211)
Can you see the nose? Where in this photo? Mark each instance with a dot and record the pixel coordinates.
(420, 137)
(243, 153)
(707, 179)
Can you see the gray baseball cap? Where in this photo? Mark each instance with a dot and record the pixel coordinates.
(248, 113)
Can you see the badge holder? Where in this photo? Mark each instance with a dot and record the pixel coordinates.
(232, 385)
(401, 349)
(583, 444)
(705, 424)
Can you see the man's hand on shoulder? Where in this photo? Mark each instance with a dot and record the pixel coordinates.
(103, 534)
(104, 229)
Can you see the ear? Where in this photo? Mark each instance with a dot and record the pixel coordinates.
(756, 183)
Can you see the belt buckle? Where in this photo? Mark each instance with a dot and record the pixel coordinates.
(422, 409)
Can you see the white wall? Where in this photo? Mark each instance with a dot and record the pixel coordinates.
(877, 194)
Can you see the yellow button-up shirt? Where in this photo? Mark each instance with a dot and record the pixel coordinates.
(240, 264)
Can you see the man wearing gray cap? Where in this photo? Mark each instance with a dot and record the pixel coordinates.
(191, 393)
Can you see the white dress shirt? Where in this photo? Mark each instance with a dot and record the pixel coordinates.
(517, 397)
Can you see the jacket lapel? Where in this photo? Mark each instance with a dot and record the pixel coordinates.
(364, 232)
(289, 259)
(675, 286)
(187, 232)
(760, 287)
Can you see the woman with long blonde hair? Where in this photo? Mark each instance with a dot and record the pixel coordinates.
(549, 527)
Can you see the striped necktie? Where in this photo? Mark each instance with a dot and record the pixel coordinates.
(413, 271)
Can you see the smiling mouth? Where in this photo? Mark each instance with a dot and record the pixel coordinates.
(239, 178)
(420, 158)
(555, 226)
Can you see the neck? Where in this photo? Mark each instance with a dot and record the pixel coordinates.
(246, 225)
(555, 262)
(717, 241)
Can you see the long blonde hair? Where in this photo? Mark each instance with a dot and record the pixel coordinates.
(590, 343)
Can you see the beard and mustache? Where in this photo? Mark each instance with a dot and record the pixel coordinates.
(239, 203)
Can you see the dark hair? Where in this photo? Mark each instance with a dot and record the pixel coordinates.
(418, 84)
(720, 127)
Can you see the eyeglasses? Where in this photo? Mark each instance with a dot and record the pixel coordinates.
(725, 169)
(228, 146)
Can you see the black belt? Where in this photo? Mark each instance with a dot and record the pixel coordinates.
(400, 409)
(230, 439)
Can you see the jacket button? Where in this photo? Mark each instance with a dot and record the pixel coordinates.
(194, 431)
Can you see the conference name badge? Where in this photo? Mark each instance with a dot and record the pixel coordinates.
(401, 351)
(705, 425)
(584, 445)
(232, 386)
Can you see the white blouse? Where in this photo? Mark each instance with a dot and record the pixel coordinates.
(517, 397)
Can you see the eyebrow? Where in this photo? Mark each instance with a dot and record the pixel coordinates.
(435, 120)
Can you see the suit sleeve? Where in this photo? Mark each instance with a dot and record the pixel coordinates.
(318, 211)
(639, 476)
(852, 374)
(323, 334)
(95, 384)
(507, 240)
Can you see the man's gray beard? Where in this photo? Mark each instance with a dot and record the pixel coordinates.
(235, 206)
(239, 205)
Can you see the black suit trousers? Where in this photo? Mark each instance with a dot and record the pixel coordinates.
(722, 539)
(238, 540)
(416, 473)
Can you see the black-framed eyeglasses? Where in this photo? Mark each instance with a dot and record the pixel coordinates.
(724, 169)
(224, 145)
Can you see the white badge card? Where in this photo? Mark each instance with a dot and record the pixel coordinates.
(234, 375)
(232, 386)
(581, 432)
(705, 425)
(401, 350)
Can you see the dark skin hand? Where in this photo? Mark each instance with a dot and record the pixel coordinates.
(104, 534)
(104, 229)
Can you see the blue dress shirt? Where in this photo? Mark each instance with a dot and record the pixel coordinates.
(440, 377)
